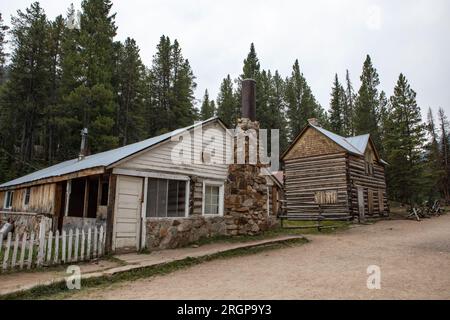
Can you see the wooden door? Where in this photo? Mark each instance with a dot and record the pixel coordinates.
(361, 203)
(128, 213)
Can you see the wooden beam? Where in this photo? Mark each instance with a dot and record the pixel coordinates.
(110, 211)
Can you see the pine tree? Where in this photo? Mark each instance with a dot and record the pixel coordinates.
(404, 141)
(130, 76)
(433, 172)
(227, 103)
(172, 85)
(337, 107)
(277, 109)
(251, 67)
(444, 155)
(366, 104)
(349, 106)
(208, 107)
(3, 41)
(301, 104)
(26, 94)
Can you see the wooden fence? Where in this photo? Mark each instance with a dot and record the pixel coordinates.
(29, 251)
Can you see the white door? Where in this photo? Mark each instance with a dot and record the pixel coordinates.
(128, 213)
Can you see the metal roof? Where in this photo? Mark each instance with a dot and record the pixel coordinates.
(102, 159)
(346, 143)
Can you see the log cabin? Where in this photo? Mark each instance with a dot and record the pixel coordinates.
(330, 175)
(152, 194)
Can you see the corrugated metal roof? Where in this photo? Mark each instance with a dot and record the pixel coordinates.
(343, 142)
(359, 142)
(102, 159)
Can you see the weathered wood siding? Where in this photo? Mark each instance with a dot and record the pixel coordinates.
(42, 199)
(374, 184)
(160, 158)
(305, 177)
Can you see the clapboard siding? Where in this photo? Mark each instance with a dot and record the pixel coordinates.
(160, 157)
(306, 176)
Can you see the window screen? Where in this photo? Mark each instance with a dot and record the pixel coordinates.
(166, 198)
(212, 199)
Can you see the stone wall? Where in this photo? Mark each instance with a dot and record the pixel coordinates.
(25, 222)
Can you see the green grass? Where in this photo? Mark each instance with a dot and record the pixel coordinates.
(60, 291)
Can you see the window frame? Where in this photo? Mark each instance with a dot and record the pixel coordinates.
(186, 206)
(221, 186)
(27, 193)
(11, 198)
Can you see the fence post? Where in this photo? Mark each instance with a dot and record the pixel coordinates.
(95, 241)
(30, 251)
(16, 247)
(24, 248)
(88, 249)
(1, 241)
(83, 240)
(56, 254)
(77, 239)
(41, 243)
(50, 246)
(63, 251)
(69, 246)
(6, 254)
(100, 241)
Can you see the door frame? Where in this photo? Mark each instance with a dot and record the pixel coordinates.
(139, 213)
(361, 204)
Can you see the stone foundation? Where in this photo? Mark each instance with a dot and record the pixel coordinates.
(173, 233)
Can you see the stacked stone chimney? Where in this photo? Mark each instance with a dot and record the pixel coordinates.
(246, 194)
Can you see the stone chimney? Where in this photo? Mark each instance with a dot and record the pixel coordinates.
(83, 147)
(246, 189)
(314, 122)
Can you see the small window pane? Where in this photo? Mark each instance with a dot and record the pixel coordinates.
(212, 199)
(152, 192)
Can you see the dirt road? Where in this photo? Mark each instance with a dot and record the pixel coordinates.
(414, 258)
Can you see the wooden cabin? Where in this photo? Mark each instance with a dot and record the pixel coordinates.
(163, 192)
(331, 175)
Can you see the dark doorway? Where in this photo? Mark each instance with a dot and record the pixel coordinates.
(76, 199)
(92, 197)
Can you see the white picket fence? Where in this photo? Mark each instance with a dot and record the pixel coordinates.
(51, 249)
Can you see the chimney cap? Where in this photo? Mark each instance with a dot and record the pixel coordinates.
(314, 122)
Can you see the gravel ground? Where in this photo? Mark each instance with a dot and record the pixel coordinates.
(414, 258)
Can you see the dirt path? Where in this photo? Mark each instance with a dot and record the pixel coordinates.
(414, 259)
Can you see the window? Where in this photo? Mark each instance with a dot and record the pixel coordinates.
(166, 198)
(8, 199)
(26, 198)
(105, 191)
(212, 198)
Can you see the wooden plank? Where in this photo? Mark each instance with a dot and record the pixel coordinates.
(89, 244)
(95, 242)
(83, 244)
(100, 241)
(6, 254)
(49, 246)
(56, 254)
(110, 212)
(23, 249)
(63, 248)
(77, 239)
(15, 249)
(69, 246)
(42, 244)
(30, 251)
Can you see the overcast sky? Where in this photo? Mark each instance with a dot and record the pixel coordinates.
(327, 36)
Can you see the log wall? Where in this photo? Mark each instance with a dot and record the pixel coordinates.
(307, 179)
(374, 184)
